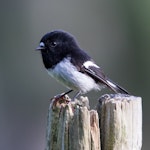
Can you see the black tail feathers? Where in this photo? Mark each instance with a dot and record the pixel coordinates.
(116, 88)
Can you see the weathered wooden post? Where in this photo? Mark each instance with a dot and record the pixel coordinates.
(72, 126)
(115, 125)
(120, 122)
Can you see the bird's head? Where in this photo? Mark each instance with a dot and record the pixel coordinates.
(57, 42)
(55, 46)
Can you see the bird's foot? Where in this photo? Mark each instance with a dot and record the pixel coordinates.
(61, 98)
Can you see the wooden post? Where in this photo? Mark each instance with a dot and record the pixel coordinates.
(72, 126)
(120, 122)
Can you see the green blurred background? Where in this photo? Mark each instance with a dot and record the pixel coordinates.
(115, 33)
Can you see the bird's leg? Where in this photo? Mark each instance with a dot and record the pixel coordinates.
(76, 95)
(61, 96)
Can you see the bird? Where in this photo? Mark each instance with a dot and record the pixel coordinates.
(70, 65)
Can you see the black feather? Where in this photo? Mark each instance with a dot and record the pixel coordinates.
(98, 75)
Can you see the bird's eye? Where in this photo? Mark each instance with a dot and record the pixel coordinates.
(53, 44)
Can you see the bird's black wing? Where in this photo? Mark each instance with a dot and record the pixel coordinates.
(97, 74)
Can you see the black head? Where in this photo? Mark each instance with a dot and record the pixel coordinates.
(55, 46)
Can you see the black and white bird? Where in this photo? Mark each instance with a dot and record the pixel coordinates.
(65, 61)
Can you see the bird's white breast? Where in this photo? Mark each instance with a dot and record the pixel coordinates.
(68, 74)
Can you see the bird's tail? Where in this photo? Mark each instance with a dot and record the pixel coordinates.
(115, 87)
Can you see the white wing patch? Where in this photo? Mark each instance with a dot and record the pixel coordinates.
(111, 84)
(87, 64)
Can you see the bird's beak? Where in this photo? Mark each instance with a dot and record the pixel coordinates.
(40, 47)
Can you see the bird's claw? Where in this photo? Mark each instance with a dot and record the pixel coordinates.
(61, 98)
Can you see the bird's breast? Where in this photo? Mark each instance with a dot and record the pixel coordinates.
(66, 73)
